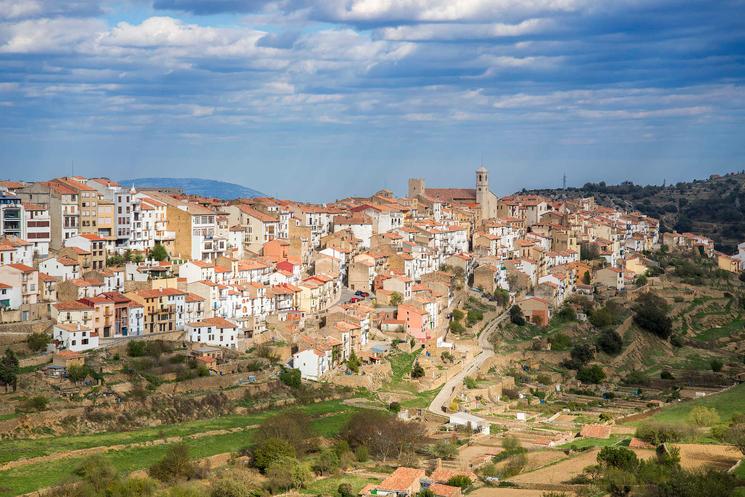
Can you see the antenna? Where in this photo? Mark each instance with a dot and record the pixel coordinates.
(564, 181)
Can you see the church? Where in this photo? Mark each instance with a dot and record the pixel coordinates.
(481, 195)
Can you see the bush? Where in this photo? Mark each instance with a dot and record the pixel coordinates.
(461, 481)
(175, 465)
(592, 374)
(270, 450)
(38, 342)
(361, 454)
(676, 341)
(703, 416)
(327, 462)
(567, 313)
(610, 342)
(228, 487)
(560, 342)
(666, 375)
(291, 377)
(417, 371)
(456, 327)
(394, 407)
(516, 316)
(36, 403)
(652, 315)
(287, 473)
(470, 382)
(444, 450)
(345, 490)
(656, 432)
(619, 458)
(458, 315)
(716, 365)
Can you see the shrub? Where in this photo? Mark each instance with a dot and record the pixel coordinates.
(610, 342)
(458, 315)
(560, 342)
(270, 450)
(703, 416)
(516, 315)
(394, 407)
(291, 377)
(666, 375)
(470, 382)
(567, 313)
(591, 374)
(345, 490)
(676, 341)
(175, 465)
(228, 487)
(716, 365)
(657, 433)
(287, 473)
(38, 342)
(461, 481)
(444, 450)
(456, 327)
(417, 371)
(361, 454)
(652, 315)
(618, 457)
(36, 403)
(327, 462)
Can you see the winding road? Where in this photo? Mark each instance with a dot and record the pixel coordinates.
(443, 396)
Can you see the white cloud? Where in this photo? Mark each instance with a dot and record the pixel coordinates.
(462, 31)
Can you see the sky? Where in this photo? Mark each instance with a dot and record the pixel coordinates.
(320, 99)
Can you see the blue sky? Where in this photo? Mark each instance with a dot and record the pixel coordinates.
(319, 99)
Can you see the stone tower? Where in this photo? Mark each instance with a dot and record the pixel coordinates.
(482, 185)
(416, 187)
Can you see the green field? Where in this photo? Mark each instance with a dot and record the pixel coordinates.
(328, 419)
(328, 486)
(595, 442)
(727, 404)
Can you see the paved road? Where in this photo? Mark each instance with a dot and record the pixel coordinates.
(472, 366)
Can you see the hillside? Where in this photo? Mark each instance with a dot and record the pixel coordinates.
(714, 207)
(196, 186)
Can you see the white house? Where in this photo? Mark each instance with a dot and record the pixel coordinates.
(61, 267)
(468, 420)
(214, 331)
(74, 337)
(313, 363)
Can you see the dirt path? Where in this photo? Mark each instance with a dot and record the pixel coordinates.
(112, 448)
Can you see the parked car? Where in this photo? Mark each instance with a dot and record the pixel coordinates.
(354, 300)
(360, 293)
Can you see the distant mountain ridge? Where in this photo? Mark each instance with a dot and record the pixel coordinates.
(196, 186)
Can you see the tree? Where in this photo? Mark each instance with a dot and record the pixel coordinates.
(158, 252)
(417, 371)
(516, 315)
(345, 490)
(736, 436)
(652, 315)
(97, 472)
(586, 278)
(381, 434)
(457, 314)
(456, 327)
(619, 458)
(327, 462)
(444, 449)
(38, 342)
(396, 298)
(9, 370)
(293, 426)
(610, 342)
(461, 481)
(591, 374)
(394, 407)
(291, 377)
(716, 365)
(581, 354)
(287, 473)
(175, 465)
(703, 416)
(77, 372)
(271, 450)
(588, 252)
(354, 363)
(228, 487)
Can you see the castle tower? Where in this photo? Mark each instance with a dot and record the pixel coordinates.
(416, 187)
(482, 185)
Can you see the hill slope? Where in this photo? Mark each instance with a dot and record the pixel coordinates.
(196, 186)
(714, 207)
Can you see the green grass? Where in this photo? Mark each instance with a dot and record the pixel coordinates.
(328, 419)
(401, 364)
(732, 328)
(10, 415)
(740, 471)
(594, 442)
(727, 404)
(328, 486)
(421, 400)
(11, 450)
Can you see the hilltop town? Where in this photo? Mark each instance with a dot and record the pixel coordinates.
(447, 342)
